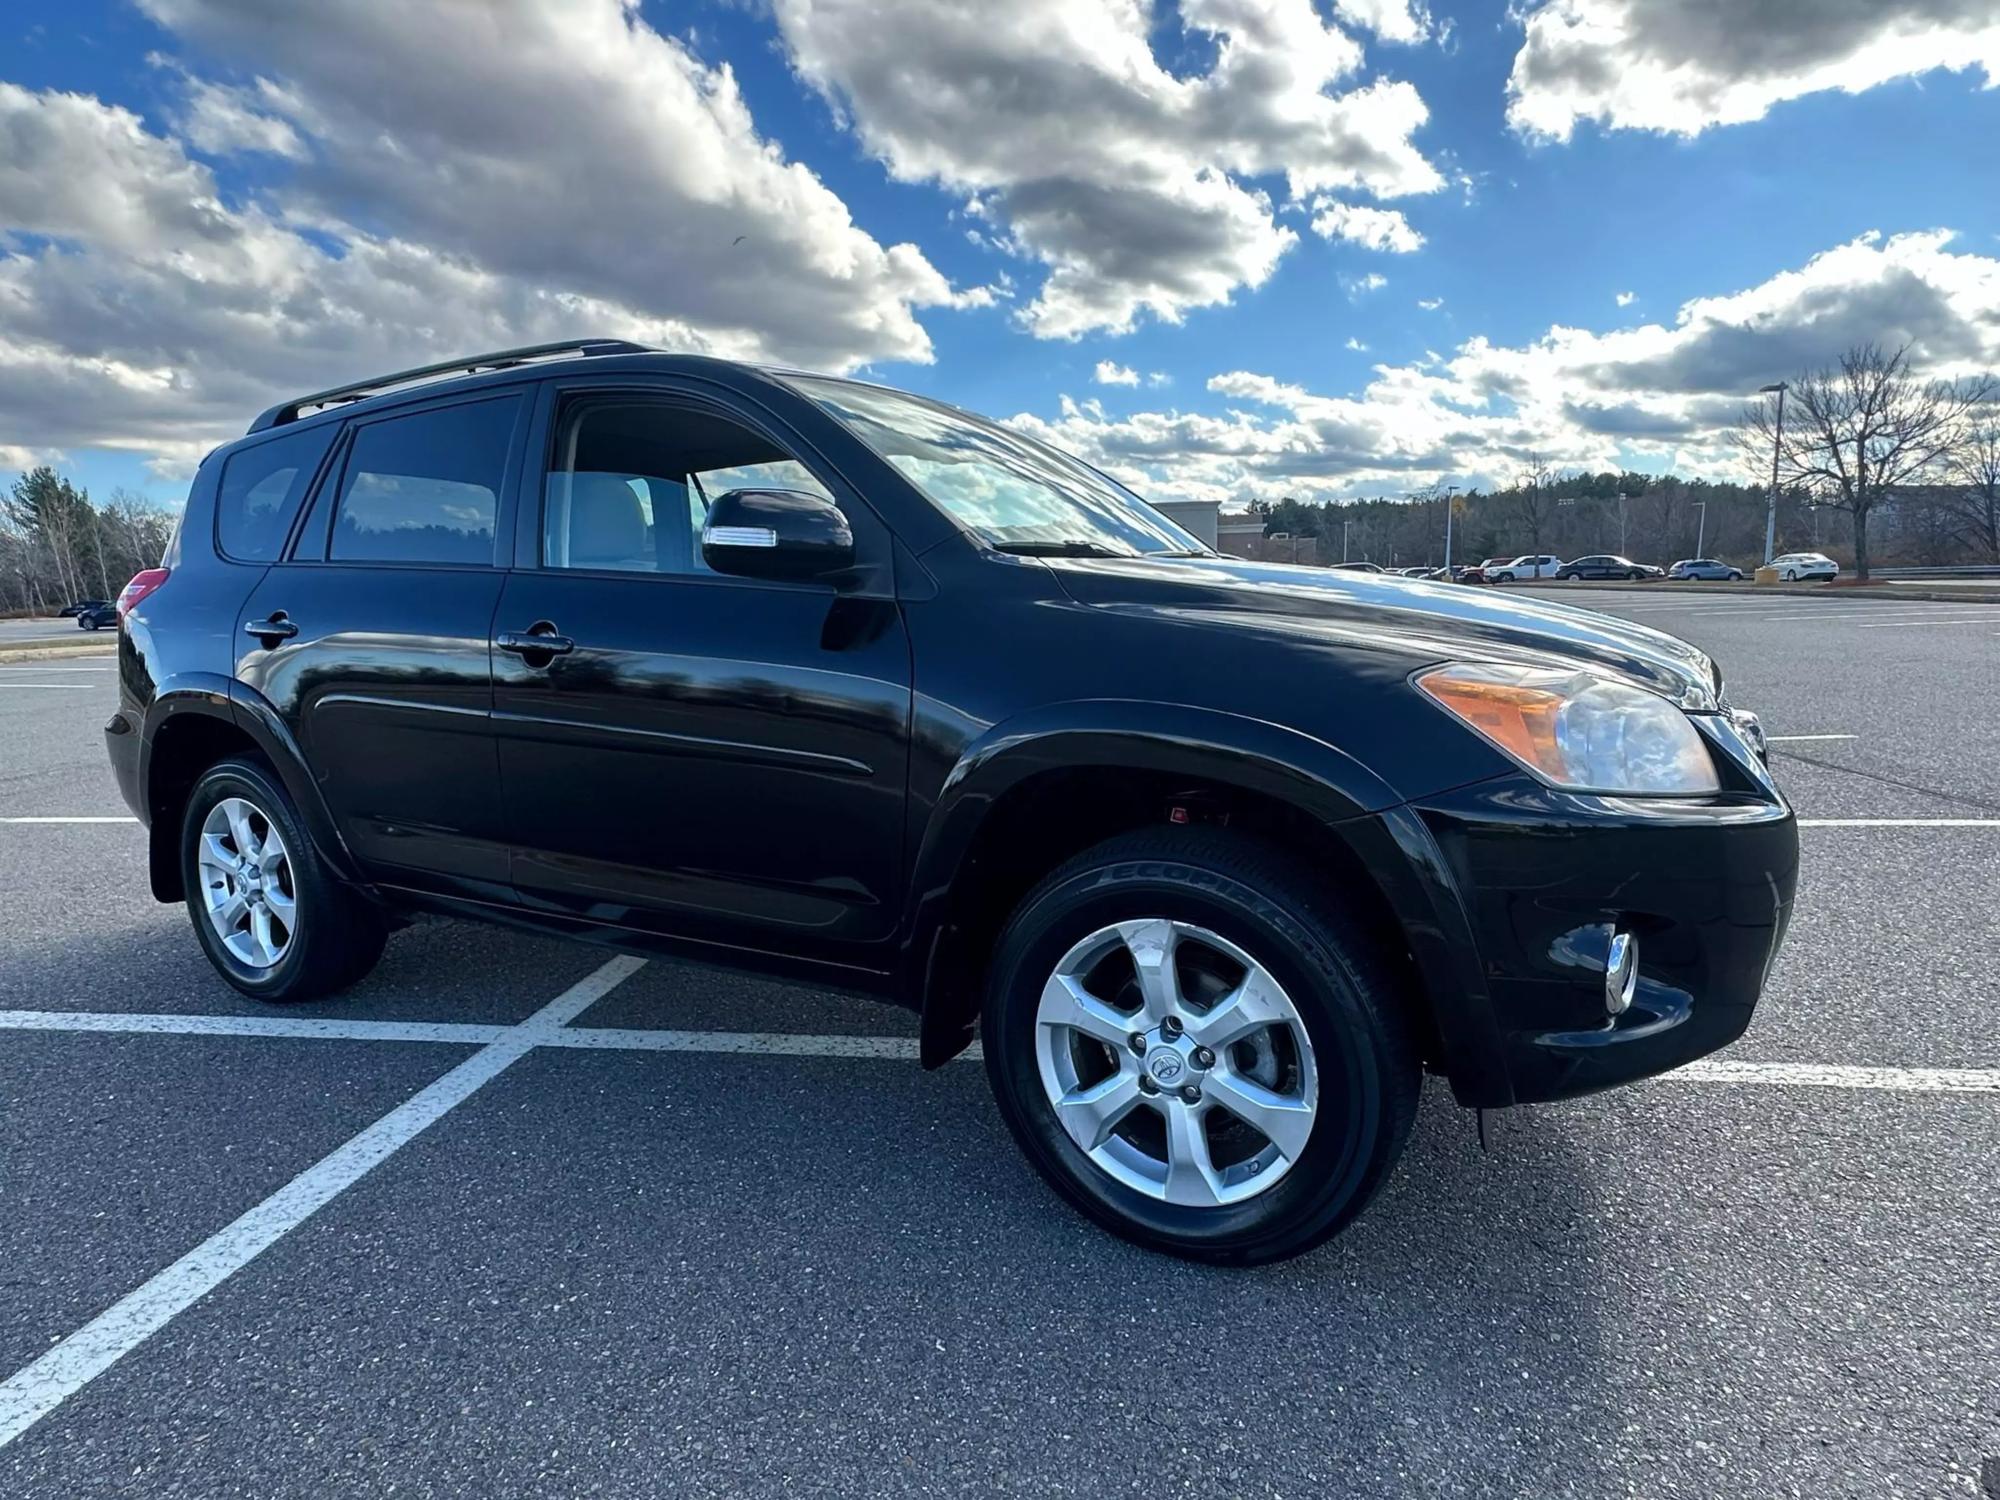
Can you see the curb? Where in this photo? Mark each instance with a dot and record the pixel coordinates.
(55, 650)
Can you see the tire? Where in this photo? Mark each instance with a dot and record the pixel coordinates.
(1357, 1071)
(333, 936)
(88, 622)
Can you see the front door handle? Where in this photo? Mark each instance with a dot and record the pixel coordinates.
(277, 628)
(539, 640)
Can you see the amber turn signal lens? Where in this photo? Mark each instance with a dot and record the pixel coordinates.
(1519, 719)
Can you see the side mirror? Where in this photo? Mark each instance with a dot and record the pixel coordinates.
(776, 534)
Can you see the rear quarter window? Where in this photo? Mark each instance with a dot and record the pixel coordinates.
(425, 487)
(260, 493)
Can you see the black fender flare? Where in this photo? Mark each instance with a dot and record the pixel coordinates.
(222, 699)
(1207, 745)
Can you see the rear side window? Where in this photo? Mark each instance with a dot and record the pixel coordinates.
(260, 493)
(424, 488)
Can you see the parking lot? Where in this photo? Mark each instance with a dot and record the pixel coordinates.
(518, 1218)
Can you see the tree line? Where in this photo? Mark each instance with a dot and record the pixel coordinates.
(57, 545)
(1873, 464)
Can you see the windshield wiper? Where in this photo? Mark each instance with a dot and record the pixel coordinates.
(1056, 549)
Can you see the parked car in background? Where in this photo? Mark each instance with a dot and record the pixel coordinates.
(1705, 568)
(96, 614)
(1513, 570)
(1480, 572)
(681, 655)
(71, 611)
(1805, 567)
(1606, 565)
(1360, 567)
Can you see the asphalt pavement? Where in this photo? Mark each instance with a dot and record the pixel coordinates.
(506, 1220)
(14, 632)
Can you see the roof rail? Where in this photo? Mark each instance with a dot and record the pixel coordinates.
(361, 390)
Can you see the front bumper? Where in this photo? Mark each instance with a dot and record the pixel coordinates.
(1544, 879)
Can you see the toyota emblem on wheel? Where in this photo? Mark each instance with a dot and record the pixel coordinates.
(1165, 1066)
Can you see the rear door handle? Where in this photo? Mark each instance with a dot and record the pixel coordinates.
(540, 639)
(277, 628)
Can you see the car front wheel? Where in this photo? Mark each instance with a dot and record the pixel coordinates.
(1198, 1045)
(273, 919)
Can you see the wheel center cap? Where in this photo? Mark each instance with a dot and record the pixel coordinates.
(1167, 1066)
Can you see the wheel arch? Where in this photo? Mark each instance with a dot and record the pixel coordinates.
(1034, 791)
(190, 726)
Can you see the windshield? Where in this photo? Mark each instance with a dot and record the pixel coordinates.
(1017, 494)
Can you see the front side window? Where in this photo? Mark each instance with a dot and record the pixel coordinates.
(630, 483)
(260, 493)
(1016, 494)
(424, 488)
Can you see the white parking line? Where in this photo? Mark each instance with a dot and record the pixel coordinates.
(144, 1023)
(33, 1392)
(1899, 822)
(126, 819)
(543, 1029)
(1899, 624)
(73, 687)
(1835, 1076)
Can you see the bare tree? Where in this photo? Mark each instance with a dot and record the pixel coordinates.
(1857, 430)
(1534, 499)
(1975, 464)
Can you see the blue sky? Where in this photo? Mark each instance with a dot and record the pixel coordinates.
(210, 207)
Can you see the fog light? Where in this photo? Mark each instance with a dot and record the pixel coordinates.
(1621, 972)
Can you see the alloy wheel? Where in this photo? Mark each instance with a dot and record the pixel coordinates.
(1176, 1062)
(249, 890)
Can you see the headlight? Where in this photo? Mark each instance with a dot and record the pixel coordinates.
(1577, 729)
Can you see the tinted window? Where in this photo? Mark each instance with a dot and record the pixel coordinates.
(260, 493)
(632, 482)
(424, 488)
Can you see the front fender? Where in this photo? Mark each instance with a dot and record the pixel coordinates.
(1206, 745)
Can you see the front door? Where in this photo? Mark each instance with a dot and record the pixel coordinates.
(375, 635)
(707, 757)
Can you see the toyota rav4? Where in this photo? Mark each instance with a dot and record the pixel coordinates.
(808, 676)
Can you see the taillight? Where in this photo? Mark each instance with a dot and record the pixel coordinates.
(142, 584)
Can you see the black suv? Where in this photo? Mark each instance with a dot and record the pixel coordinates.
(808, 676)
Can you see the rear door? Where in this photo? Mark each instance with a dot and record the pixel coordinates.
(371, 640)
(708, 757)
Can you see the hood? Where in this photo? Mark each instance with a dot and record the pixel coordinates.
(1406, 617)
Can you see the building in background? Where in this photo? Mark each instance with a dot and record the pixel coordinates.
(1196, 516)
(1243, 536)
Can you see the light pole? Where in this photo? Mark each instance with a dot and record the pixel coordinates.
(1450, 498)
(1701, 527)
(1621, 523)
(1777, 443)
(1343, 539)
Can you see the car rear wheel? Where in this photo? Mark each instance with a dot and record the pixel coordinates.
(88, 622)
(273, 919)
(1197, 1045)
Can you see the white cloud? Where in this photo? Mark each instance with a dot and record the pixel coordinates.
(1108, 373)
(1356, 345)
(1626, 299)
(1663, 395)
(1391, 20)
(1430, 304)
(1129, 182)
(1360, 286)
(1375, 228)
(222, 121)
(1159, 378)
(1685, 65)
(443, 189)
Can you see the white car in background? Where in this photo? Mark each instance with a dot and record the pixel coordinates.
(1524, 567)
(1804, 567)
